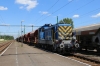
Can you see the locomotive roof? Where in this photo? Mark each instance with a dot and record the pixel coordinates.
(86, 28)
(46, 25)
(61, 25)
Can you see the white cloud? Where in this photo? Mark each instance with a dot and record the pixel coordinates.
(3, 8)
(75, 16)
(49, 14)
(21, 7)
(69, 0)
(43, 13)
(97, 15)
(28, 4)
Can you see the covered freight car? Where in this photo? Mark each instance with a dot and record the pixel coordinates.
(89, 37)
(25, 40)
(34, 37)
(31, 37)
(20, 38)
(28, 38)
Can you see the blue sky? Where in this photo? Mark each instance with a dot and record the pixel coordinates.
(40, 12)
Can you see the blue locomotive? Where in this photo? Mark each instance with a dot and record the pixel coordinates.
(58, 37)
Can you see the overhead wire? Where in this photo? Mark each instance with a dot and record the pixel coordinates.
(81, 7)
(20, 26)
(48, 10)
(53, 5)
(76, 9)
(2, 21)
(85, 13)
(59, 9)
(90, 12)
(8, 32)
(87, 22)
(63, 6)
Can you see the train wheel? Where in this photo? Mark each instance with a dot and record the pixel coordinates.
(54, 49)
(85, 48)
(98, 49)
(59, 51)
(80, 49)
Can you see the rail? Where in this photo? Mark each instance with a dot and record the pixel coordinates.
(3, 46)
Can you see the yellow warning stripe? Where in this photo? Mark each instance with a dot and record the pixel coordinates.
(65, 31)
(61, 35)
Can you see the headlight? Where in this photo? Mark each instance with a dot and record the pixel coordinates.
(77, 45)
(61, 45)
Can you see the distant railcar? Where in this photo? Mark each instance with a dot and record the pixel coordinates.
(31, 38)
(28, 38)
(25, 38)
(24, 41)
(20, 39)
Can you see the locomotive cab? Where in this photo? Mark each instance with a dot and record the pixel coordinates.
(65, 39)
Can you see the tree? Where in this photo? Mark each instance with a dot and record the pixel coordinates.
(6, 37)
(67, 21)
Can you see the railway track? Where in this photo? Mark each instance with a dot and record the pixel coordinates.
(89, 57)
(92, 58)
(3, 46)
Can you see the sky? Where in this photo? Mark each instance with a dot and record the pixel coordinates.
(40, 12)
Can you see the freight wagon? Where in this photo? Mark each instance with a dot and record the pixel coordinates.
(89, 37)
(34, 37)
